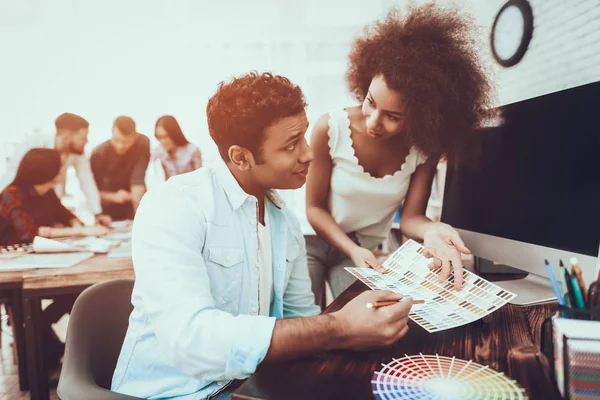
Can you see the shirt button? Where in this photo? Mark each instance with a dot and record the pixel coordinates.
(227, 259)
(253, 309)
(220, 383)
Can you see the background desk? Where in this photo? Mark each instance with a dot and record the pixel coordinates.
(26, 289)
(509, 342)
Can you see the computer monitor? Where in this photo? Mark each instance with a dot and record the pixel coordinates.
(528, 188)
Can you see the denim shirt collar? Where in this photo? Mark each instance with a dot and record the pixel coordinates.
(234, 192)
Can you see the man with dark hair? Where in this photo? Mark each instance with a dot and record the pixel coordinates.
(119, 166)
(220, 262)
(70, 139)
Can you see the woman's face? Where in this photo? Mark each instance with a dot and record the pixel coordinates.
(164, 139)
(383, 109)
(44, 188)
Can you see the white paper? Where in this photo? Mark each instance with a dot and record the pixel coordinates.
(120, 224)
(33, 261)
(45, 245)
(123, 251)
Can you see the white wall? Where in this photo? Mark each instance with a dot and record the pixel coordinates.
(145, 58)
(564, 51)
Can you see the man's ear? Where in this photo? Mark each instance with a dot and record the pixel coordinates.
(240, 157)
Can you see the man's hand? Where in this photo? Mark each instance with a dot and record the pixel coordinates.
(444, 245)
(366, 328)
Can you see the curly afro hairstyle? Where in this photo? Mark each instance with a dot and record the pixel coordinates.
(429, 57)
(241, 109)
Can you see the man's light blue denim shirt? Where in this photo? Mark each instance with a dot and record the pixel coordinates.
(196, 324)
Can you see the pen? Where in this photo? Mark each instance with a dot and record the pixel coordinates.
(594, 295)
(383, 303)
(571, 291)
(555, 287)
(598, 272)
(579, 276)
(577, 293)
(563, 281)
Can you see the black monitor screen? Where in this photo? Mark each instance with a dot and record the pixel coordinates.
(532, 174)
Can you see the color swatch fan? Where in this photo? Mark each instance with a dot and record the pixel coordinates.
(437, 377)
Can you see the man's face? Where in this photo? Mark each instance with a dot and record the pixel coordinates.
(121, 143)
(285, 154)
(78, 141)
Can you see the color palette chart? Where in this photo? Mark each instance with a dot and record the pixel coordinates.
(408, 274)
(436, 377)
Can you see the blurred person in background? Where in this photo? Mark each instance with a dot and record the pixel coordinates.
(69, 140)
(119, 167)
(29, 205)
(175, 153)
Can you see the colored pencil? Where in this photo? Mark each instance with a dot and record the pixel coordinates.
(563, 281)
(554, 283)
(383, 303)
(579, 275)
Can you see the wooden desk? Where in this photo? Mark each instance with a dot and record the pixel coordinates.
(508, 343)
(11, 283)
(29, 287)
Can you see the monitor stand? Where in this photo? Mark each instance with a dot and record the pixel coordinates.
(530, 288)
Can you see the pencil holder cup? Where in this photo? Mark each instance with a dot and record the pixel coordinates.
(546, 340)
(590, 314)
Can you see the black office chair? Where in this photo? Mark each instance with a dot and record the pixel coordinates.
(95, 335)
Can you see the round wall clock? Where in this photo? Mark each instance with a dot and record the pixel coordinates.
(512, 32)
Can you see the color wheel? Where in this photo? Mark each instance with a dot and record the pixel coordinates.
(436, 377)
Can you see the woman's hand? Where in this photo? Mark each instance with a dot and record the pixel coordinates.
(103, 219)
(95, 230)
(443, 244)
(365, 258)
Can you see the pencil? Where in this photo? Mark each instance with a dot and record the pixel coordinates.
(571, 291)
(383, 303)
(579, 276)
(565, 288)
(554, 283)
(577, 291)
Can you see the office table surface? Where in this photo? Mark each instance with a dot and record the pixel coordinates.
(97, 269)
(507, 342)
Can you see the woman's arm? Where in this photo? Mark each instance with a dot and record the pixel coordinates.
(413, 221)
(11, 208)
(317, 190)
(317, 194)
(442, 241)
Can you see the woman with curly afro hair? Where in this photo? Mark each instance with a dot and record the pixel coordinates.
(422, 91)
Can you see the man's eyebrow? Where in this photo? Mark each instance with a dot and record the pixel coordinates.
(295, 137)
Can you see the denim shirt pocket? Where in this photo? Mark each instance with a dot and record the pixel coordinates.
(226, 257)
(225, 270)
